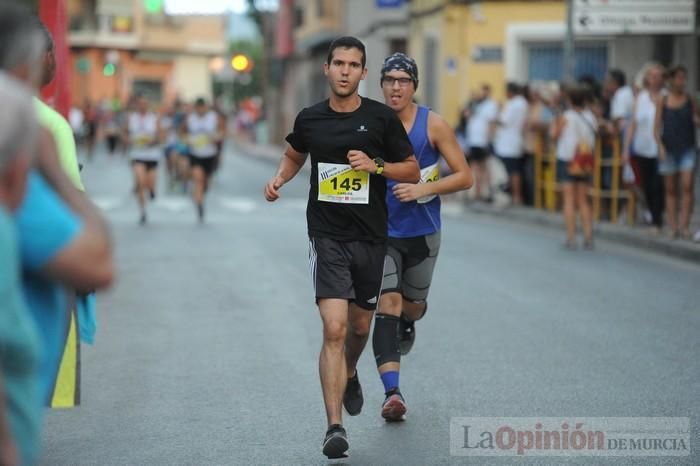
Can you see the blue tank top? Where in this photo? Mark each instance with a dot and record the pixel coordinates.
(421, 217)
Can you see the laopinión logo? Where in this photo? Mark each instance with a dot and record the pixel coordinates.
(554, 436)
(362, 129)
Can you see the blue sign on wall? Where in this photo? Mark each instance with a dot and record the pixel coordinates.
(389, 3)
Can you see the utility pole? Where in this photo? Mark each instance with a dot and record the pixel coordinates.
(569, 43)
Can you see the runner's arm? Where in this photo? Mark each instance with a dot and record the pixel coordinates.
(405, 171)
(291, 163)
(444, 140)
(160, 132)
(220, 128)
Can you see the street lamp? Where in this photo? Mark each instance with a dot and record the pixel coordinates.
(241, 63)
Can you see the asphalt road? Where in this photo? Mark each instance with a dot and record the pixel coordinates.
(207, 345)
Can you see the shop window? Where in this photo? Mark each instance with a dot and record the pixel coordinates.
(546, 62)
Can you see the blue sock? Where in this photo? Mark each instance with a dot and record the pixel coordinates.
(390, 380)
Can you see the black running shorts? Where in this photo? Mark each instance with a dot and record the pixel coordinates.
(349, 270)
(409, 266)
(207, 164)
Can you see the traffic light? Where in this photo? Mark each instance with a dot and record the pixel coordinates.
(109, 69)
(153, 6)
(241, 63)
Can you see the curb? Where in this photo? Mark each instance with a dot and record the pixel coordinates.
(634, 237)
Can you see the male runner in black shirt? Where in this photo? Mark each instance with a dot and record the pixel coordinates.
(355, 144)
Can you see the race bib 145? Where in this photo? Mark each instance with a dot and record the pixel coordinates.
(339, 183)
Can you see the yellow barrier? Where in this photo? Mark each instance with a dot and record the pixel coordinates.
(546, 186)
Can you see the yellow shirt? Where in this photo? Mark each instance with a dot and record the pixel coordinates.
(63, 138)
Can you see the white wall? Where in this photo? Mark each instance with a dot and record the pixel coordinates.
(630, 53)
(375, 27)
(192, 77)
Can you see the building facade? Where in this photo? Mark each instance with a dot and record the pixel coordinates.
(460, 44)
(119, 48)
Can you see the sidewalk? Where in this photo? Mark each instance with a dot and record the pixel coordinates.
(633, 236)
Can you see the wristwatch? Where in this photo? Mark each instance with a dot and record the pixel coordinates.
(379, 162)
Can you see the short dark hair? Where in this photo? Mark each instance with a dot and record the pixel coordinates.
(677, 69)
(347, 42)
(578, 95)
(618, 76)
(513, 87)
(19, 39)
(200, 101)
(46, 33)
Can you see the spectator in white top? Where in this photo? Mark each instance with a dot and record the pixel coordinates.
(480, 116)
(640, 142)
(508, 141)
(574, 132)
(622, 100)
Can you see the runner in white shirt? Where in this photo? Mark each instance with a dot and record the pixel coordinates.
(481, 115)
(508, 141)
(143, 135)
(205, 130)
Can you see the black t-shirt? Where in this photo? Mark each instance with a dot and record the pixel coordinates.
(348, 209)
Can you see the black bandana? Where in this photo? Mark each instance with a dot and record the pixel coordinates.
(401, 62)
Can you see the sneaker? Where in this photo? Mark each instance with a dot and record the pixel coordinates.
(152, 194)
(352, 398)
(569, 245)
(407, 335)
(394, 407)
(336, 442)
(200, 212)
(142, 219)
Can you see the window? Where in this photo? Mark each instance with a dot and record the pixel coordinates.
(320, 8)
(546, 62)
(397, 45)
(298, 17)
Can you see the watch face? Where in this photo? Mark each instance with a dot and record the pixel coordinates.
(379, 161)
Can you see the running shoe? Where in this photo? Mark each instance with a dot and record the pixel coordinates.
(352, 398)
(394, 406)
(336, 442)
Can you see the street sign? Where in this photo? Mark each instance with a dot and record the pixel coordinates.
(634, 16)
(635, 4)
(598, 21)
(389, 3)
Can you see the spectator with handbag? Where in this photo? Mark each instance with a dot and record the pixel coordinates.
(574, 131)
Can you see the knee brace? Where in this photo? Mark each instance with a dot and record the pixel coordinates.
(385, 340)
